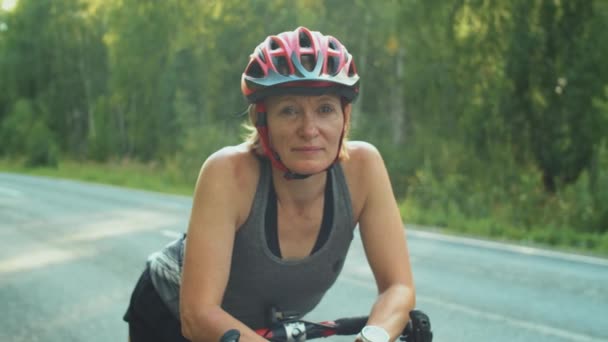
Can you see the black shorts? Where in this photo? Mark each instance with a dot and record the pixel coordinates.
(148, 317)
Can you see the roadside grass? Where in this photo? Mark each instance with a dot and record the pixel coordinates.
(565, 240)
(154, 177)
(124, 173)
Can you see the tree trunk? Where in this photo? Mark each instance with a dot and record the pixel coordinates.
(398, 111)
(360, 63)
(549, 182)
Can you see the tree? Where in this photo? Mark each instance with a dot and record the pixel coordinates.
(553, 79)
(54, 57)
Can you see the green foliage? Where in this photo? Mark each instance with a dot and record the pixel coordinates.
(199, 139)
(103, 135)
(491, 115)
(198, 144)
(551, 86)
(508, 202)
(41, 149)
(16, 127)
(25, 133)
(53, 55)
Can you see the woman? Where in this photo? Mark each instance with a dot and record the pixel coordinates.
(272, 218)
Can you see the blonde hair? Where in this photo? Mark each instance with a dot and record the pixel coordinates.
(252, 138)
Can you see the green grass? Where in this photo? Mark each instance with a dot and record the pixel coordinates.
(123, 173)
(454, 223)
(130, 174)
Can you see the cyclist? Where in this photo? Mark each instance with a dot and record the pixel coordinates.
(273, 218)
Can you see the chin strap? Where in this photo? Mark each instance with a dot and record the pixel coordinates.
(261, 125)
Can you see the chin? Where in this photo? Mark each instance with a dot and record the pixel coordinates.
(307, 168)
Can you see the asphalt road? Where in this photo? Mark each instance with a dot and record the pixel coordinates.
(70, 253)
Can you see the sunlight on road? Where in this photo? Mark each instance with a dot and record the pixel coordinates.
(41, 258)
(121, 223)
(67, 248)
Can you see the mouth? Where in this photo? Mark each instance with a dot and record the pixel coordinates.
(308, 149)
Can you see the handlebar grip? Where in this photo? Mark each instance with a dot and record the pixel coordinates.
(350, 326)
(417, 329)
(231, 335)
(420, 327)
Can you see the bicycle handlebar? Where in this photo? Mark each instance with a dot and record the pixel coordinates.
(418, 329)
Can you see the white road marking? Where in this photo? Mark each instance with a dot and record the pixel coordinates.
(538, 328)
(509, 247)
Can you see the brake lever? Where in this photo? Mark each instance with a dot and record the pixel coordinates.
(277, 317)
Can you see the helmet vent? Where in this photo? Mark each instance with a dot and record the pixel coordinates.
(308, 62)
(332, 65)
(281, 63)
(255, 70)
(262, 57)
(352, 70)
(274, 45)
(304, 40)
(332, 44)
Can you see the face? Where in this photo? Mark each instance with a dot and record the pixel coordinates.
(305, 130)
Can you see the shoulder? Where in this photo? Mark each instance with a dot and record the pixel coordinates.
(231, 163)
(364, 160)
(362, 152)
(362, 170)
(231, 173)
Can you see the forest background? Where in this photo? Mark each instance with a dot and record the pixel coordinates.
(492, 116)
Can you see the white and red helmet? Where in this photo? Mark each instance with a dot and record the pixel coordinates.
(300, 62)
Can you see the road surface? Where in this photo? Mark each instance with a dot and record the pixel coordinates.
(71, 253)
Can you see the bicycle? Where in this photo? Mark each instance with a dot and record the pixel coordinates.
(287, 328)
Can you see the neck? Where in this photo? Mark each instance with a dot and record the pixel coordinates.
(298, 192)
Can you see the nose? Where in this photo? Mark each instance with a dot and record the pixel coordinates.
(308, 127)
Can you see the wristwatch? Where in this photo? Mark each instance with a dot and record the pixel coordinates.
(374, 333)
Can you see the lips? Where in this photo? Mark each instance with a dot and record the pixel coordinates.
(307, 149)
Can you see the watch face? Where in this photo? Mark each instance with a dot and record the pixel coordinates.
(372, 333)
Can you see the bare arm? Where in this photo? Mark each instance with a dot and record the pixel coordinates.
(211, 232)
(385, 246)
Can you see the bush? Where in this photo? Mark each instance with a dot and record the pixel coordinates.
(25, 133)
(15, 128)
(198, 144)
(507, 201)
(41, 149)
(102, 139)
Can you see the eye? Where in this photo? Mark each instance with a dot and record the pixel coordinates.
(327, 109)
(289, 111)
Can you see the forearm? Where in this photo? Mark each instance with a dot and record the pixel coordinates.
(391, 309)
(209, 324)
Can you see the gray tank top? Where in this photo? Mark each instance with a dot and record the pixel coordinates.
(258, 279)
